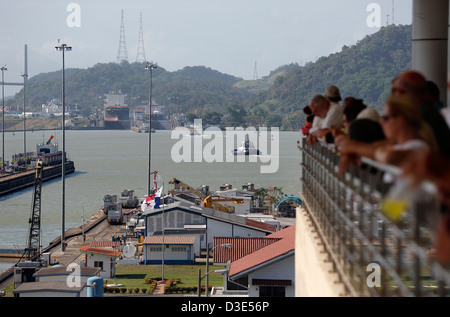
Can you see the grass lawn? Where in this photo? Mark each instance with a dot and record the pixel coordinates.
(134, 275)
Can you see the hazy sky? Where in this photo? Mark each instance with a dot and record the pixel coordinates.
(226, 35)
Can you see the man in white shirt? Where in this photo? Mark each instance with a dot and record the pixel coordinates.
(330, 113)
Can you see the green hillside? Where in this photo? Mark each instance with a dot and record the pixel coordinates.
(363, 70)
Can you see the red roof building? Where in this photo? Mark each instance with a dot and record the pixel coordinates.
(102, 258)
(266, 264)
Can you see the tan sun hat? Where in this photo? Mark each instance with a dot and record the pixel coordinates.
(332, 92)
(369, 113)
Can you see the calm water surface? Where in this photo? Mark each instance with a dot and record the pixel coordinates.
(109, 161)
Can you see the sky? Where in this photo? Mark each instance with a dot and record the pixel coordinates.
(243, 38)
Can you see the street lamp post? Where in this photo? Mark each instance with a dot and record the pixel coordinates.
(25, 76)
(226, 245)
(63, 48)
(150, 68)
(3, 68)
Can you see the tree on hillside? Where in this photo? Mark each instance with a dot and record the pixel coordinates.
(237, 114)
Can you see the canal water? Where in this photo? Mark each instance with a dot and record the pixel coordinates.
(109, 161)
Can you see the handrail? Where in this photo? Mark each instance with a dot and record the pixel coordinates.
(372, 254)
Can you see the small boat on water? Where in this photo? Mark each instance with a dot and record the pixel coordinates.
(247, 148)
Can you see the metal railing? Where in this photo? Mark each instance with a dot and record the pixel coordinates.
(371, 254)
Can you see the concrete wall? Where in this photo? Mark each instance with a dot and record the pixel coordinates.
(312, 277)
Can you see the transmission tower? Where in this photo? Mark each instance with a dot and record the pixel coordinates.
(255, 73)
(140, 57)
(393, 9)
(122, 53)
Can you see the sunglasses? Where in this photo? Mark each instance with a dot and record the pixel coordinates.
(386, 117)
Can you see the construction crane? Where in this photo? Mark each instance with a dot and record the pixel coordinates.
(179, 184)
(32, 250)
(212, 202)
(24, 270)
(208, 202)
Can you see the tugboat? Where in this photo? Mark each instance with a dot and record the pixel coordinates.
(247, 148)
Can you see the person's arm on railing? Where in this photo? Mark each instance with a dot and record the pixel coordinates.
(351, 151)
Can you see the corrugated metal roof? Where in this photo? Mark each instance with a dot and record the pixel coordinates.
(212, 213)
(104, 244)
(50, 286)
(283, 246)
(62, 270)
(170, 240)
(260, 225)
(86, 249)
(240, 247)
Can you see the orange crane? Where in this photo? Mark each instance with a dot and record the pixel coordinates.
(209, 201)
(212, 202)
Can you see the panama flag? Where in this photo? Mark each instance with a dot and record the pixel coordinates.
(48, 142)
(152, 201)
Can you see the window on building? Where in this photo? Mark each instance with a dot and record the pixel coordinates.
(98, 264)
(272, 291)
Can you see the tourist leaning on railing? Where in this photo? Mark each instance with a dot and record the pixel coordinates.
(407, 141)
(404, 128)
(330, 115)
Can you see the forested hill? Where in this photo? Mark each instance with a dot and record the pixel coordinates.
(363, 70)
(182, 90)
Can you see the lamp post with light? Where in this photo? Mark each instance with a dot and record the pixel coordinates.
(150, 68)
(3, 68)
(25, 76)
(225, 245)
(63, 48)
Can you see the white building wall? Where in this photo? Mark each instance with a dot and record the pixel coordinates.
(282, 270)
(175, 219)
(222, 229)
(107, 271)
(169, 253)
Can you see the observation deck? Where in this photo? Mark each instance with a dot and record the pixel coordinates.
(346, 245)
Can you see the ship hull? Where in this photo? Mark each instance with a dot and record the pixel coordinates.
(116, 117)
(117, 125)
(18, 181)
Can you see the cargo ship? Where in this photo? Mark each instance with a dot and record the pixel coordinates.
(20, 174)
(116, 112)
